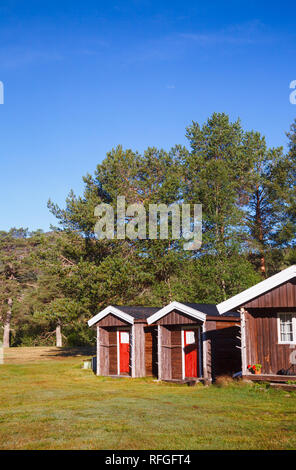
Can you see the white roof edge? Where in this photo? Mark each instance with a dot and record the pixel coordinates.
(257, 289)
(192, 312)
(114, 311)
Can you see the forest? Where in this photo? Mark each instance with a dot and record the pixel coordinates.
(52, 282)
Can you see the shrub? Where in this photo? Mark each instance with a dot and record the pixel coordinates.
(224, 381)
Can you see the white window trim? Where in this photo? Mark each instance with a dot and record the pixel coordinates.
(293, 327)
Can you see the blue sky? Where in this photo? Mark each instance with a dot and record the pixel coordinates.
(81, 77)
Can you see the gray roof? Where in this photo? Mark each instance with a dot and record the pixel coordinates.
(211, 309)
(137, 311)
(140, 312)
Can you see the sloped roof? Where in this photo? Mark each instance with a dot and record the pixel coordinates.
(113, 311)
(130, 313)
(211, 310)
(257, 290)
(137, 311)
(190, 311)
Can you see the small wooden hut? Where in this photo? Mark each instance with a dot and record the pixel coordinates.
(268, 326)
(180, 342)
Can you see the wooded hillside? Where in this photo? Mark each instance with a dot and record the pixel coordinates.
(51, 283)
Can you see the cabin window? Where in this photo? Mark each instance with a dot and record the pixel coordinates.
(287, 328)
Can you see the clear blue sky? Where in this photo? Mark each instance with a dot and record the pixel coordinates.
(82, 76)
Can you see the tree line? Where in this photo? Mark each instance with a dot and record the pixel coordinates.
(51, 283)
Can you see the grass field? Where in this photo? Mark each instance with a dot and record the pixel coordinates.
(55, 404)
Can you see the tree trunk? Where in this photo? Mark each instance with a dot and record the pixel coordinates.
(6, 334)
(59, 340)
(260, 233)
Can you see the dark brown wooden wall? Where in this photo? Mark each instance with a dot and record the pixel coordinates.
(223, 356)
(151, 351)
(113, 370)
(111, 320)
(102, 351)
(176, 353)
(165, 334)
(176, 318)
(262, 344)
(282, 296)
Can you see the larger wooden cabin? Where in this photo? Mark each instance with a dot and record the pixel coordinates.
(268, 325)
(179, 342)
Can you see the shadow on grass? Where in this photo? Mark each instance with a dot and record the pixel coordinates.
(69, 352)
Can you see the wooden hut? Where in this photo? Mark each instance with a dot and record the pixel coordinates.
(126, 345)
(195, 342)
(268, 326)
(180, 342)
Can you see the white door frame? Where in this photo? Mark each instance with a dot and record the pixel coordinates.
(119, 329)
(198, 328)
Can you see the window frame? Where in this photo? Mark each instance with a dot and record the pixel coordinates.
(293, 315)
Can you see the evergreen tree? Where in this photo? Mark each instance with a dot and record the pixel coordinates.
(264, 205)
(216, 175)
(17, 275)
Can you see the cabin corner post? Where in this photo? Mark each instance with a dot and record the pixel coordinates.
(243, 341)
(138, 349)
(98, 351)
(159, 350)
(204, 353)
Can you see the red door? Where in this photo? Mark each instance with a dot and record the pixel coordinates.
(124, 352)
(190, 352)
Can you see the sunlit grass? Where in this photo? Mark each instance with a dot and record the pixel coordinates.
(58, 405)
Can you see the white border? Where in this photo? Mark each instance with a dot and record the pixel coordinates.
(110, 310)
(192, 312)
(293, 327)
(257, 290)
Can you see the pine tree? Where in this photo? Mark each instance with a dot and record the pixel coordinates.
(17, 275)
(264, 204)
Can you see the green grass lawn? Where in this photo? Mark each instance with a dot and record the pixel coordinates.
(58, 405)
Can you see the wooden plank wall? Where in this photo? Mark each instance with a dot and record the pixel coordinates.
(262, 344)
(281, 296)
(176, 353)
(111, 320)
(210, 327)
(151, 351)
(223, 355)
(139, 353)
(107, 344)
(176, 318)
(103, 351)
(227, 357)
(113, 369)
(166, 368)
